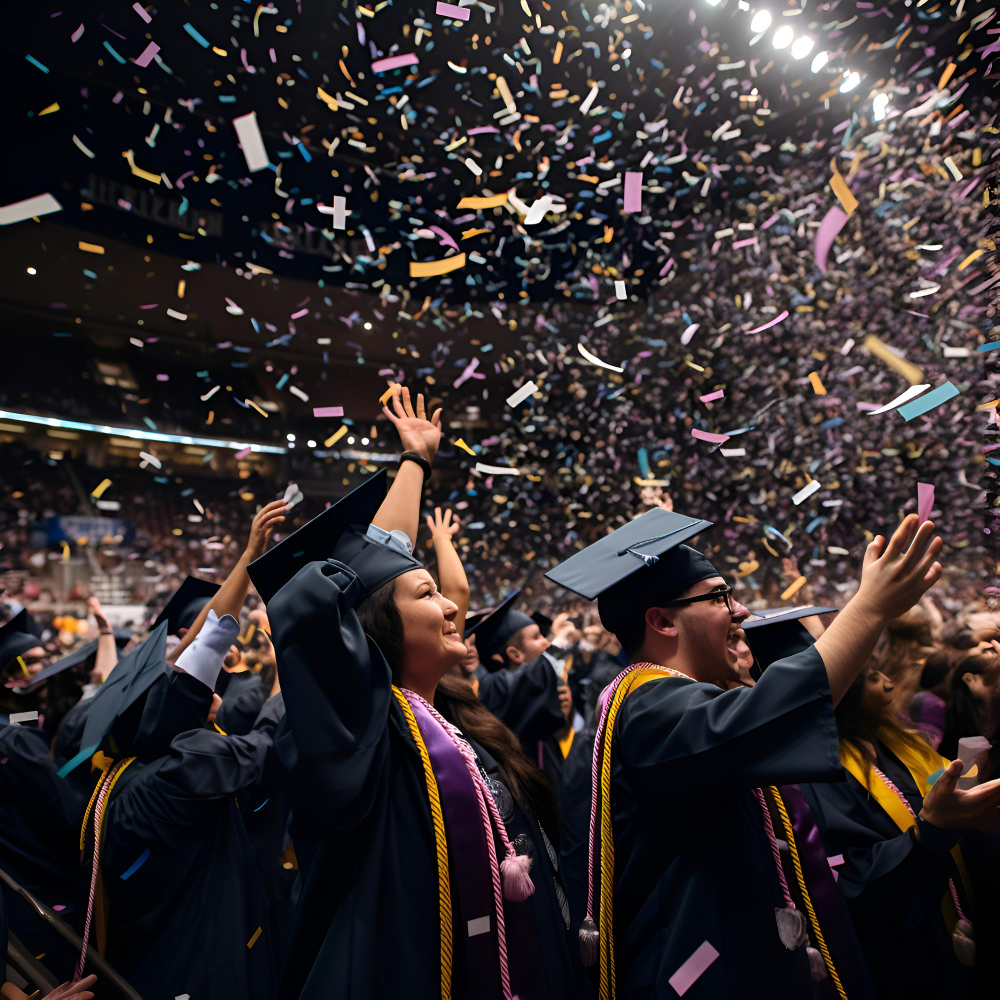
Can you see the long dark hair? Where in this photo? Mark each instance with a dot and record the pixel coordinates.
(455, 698)
(968, 715)
(860, 727)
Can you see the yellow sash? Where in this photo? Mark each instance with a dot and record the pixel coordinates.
(921, 761)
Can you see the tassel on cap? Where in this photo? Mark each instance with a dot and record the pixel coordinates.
(517, 884)
(590, 938)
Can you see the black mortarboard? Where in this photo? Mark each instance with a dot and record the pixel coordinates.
(131, 678)
(776, 633)
(185, 604)
(473, 618)
(494, 632)
(643, 563)
(17, 636)
(544, 622)
(74, 659)
(338, 533)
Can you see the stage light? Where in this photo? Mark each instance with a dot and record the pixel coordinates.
(801, 47)
(291, 437)
(879, 106)
(364, 440)
(31, 270)
(350, 440)
(311, 444)
(368, 326)
(850, 82)
(819, 61)
(782, 38)
(761, 21)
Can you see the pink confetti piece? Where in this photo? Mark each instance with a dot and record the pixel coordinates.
(744, 243)
(831, 225)
(710, 396)
(117, 100)
(689, 333)
(147, 54)
(483, 129)
(633, 191)
(693, 969)
(162, 378)
(78, 34)
(328, 411)
(299, 314)
(394, 62)
(450, 10)
(243, 453)
(709, 436)
(774, 322)
(925, 501)
(770, 222)
(138, 9)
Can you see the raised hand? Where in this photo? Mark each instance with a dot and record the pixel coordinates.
(443, 527)
(895, 575)
(416, 432)
(267, 519)
(948, 807)
(564, 632)
(97, 611)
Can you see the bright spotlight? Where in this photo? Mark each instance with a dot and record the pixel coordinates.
(291, 437)
(879, 106)
(819, 61)
(783, 37)
(364, 440)
(368, 326)
(801, 47)
(850, 82)
(350, 440)
(311, 444)
(761, 21)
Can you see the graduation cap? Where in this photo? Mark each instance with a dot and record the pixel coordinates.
(132, 677)
(337, 533)
(776, 633)
(544, 622)
(17, 636)
(473, 618)
(74, 659)
(185, 604)
(494, 631)
(640, 565)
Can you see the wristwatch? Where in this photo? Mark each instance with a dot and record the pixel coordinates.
(413, 456)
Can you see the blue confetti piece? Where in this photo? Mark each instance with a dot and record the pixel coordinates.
(261, 806)
(149, 423)
(989, 347)
(139, 862)
(928, 401)
(196, 34)
(931, 778)
(305, 152)
(282, 382)
(107, 45)
(34, 62)
(76, 761)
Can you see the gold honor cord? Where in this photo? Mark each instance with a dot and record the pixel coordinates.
(119, 768)
(800, 878)
(440, 841)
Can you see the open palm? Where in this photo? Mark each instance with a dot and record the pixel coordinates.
(416, 432)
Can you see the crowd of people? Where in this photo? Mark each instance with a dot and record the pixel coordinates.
(689, 785)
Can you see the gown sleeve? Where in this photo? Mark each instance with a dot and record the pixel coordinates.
(526, 700)
(337, 691)
(879, 868)
(240, 705)
(694, 738)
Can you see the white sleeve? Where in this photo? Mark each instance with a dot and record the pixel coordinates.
(395, 539)
(203, 658)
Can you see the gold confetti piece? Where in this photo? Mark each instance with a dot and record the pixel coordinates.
(744, 520)
(456, 144)
(387, 395)
(989, 405)
(946, 75)
(911, 373)
(469, 233)
(250, 402)
(330, 102)
(90, 247)
(746, 568)
(138, 171)
(429, 268)
(65, 550)
(794, 588)
(817, 384)
(492, 201)
(557, 55)
(459, 443)
(49, 109)
(343, 69)
(508, 97)
(24, 669)
(843, 192)
(975, 255)
(181, 285)
(335, 436)
(253, 940)
(244, 639)
(769, 549)
(98, 491)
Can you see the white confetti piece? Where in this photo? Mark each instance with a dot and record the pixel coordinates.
(41, 204)
(496, 470)
(148, 459)
(252, 142)
(594, 360)
(17, 718)
(806, 492)
(516, 398)
(903, 397)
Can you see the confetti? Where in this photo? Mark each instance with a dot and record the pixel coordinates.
(925, 500)
(328, 411)
(16, 718)
(138, 8)
(817, 384)
(633, 191)
(335, 436)
(911, 373)
(793, 588)
(452, 11)
(250, 402)
(136, 865)
(693, 969)
(459, 443)
(518, 397)
(251, 141)
(927, 402)
(427, 269)
(783, 315)
(828, 231)
(843, 193)
(708, 436)
(394, 62)
(253, 939)
(806, 492)
(903, 397)
(711, 396)
(593, 359)
(146, 57)
(150, 459)
(19, 211)
(496, 470)
(98, 490)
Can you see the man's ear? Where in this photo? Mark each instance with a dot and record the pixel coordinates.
(514, 655)
(660, 621)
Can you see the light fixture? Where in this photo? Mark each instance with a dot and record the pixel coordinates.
(364, 440)
(819, 61)
(291, 437)
(368, 326)
(761, 21)
(311, 444)
(31, 270)
(850, 82)
(782, 38)
(291, 444)
(350, 440)
(801, 47)
(713, 3)
(879, 106)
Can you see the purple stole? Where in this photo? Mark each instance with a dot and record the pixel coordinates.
(475, 930)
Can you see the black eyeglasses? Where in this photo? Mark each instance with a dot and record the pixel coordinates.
(712, 595)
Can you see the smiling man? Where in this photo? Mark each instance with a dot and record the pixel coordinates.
(688, 895)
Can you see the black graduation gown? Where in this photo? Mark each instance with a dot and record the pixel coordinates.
(40, 816)
(367, 925)
(575, 794)
(692, 859)
(182, 921)
(893, 888)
